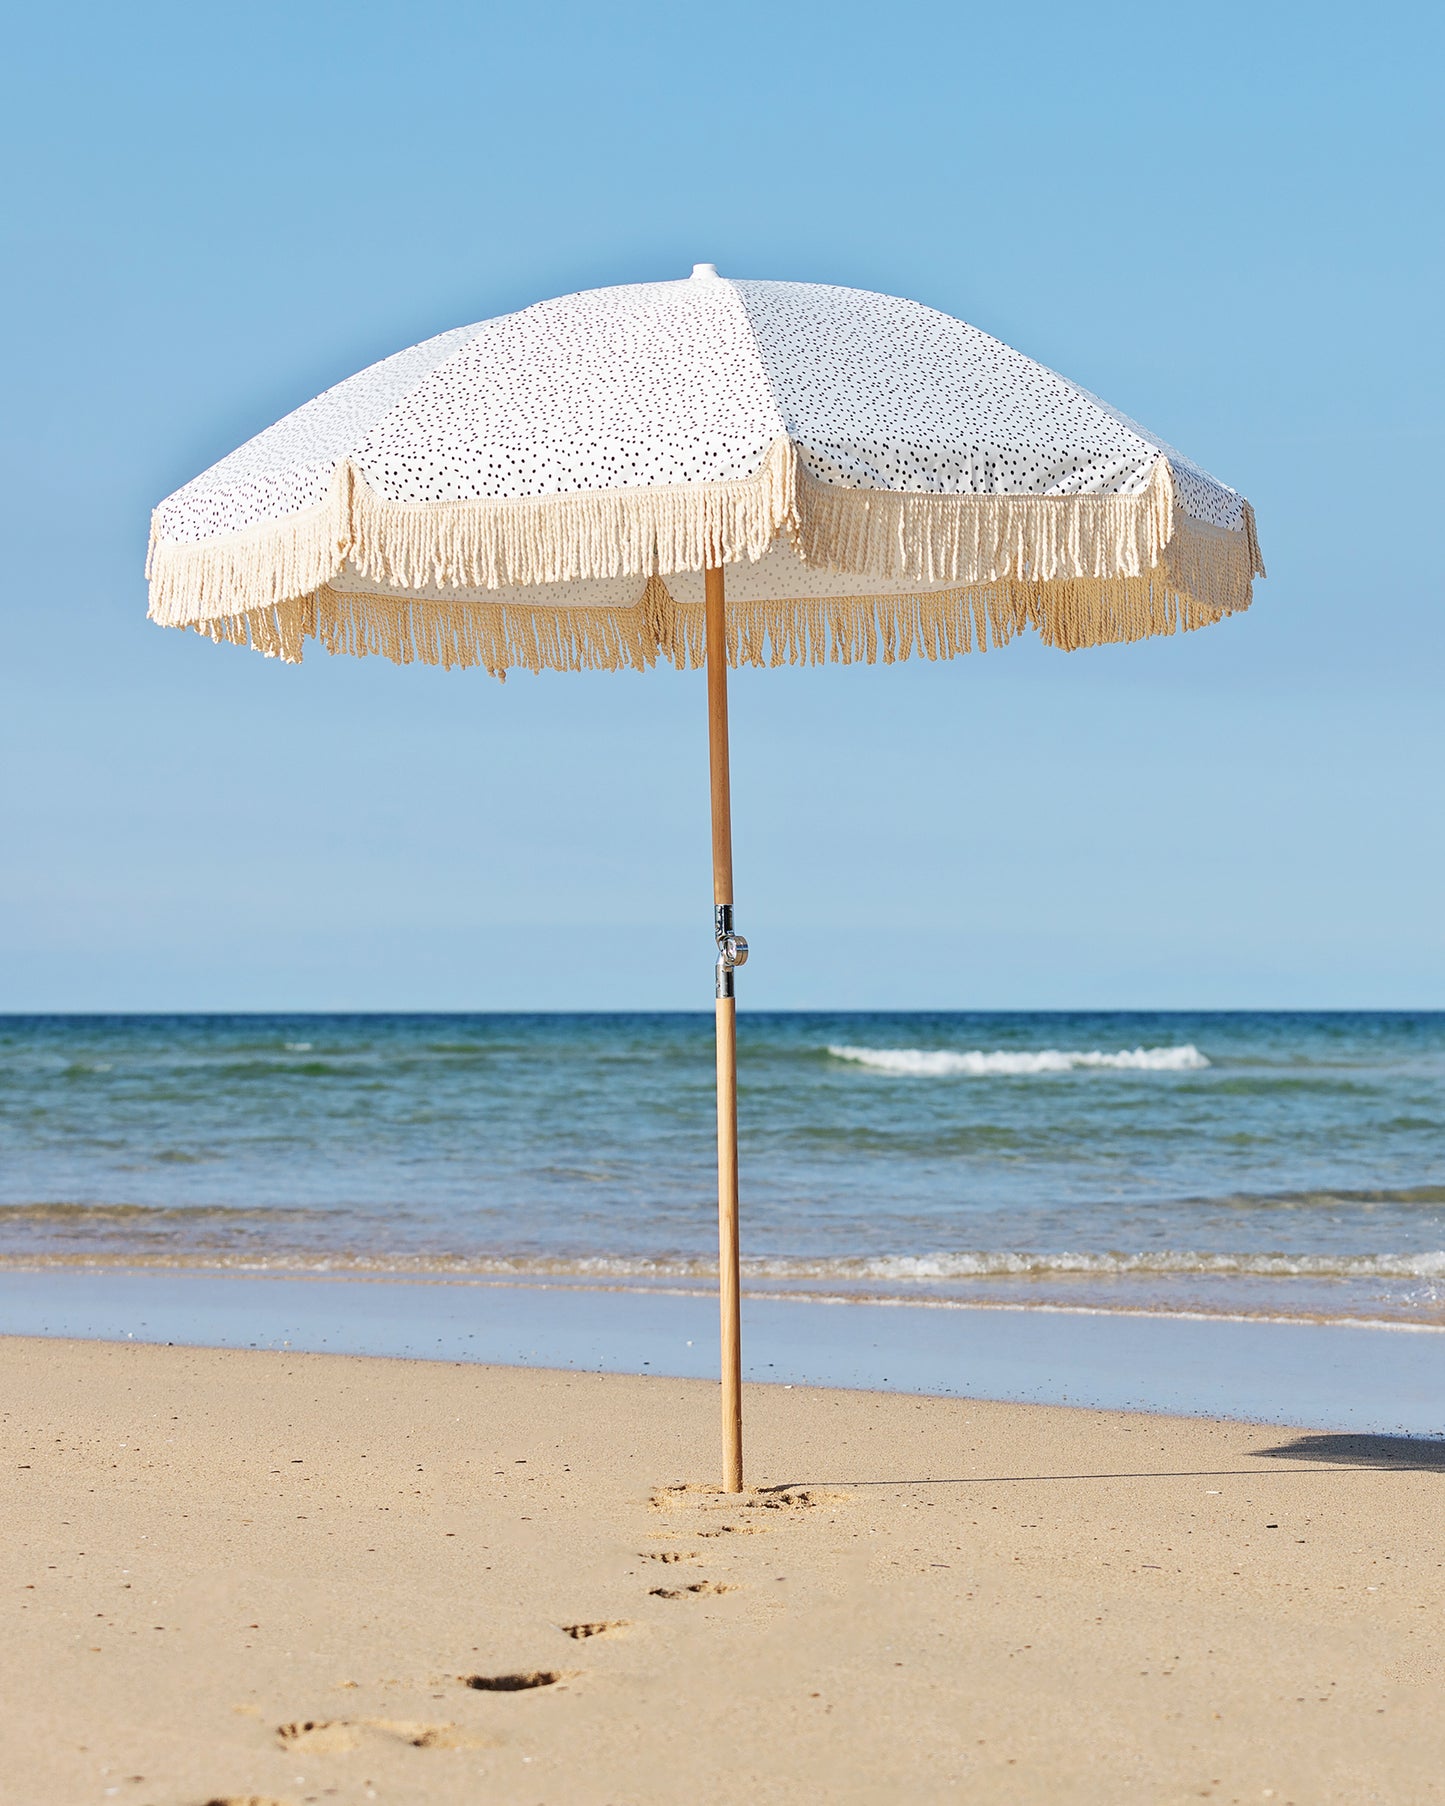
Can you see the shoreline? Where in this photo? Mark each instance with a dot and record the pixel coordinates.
(285, 1577)
(641, 1285)
(1172, 1363)
(1322, 1298)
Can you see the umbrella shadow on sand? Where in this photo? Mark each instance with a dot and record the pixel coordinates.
(1396, 1454)
(1419, 1454)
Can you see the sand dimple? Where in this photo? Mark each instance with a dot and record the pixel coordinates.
(601, 1627)
(513, 1683)
(698, 1586)
(669, 1555)
(428, 1736)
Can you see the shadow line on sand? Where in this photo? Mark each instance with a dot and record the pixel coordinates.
(1151, 1473)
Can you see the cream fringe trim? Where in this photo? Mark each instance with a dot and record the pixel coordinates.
(475, 545)
(938, 539)
(845, 629)
(1080, 570)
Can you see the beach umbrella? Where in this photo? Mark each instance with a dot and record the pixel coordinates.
(709, 472)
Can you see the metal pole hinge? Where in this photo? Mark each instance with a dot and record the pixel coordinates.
(732, 949)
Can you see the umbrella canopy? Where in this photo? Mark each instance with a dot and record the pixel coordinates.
(546, 490)
(574, 485)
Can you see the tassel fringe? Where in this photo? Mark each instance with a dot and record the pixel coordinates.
(981, 539)
(261, 566)
(1078, 570)
(475, 545)
(500, 637)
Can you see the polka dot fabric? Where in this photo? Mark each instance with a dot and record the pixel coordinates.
(879, 393)
(689, 382)
(289, 467)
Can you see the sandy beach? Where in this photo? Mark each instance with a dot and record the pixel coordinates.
(273, 1577)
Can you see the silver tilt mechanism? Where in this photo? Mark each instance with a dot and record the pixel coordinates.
(732, 949)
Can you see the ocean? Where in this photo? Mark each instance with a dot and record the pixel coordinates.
(1231, 1163)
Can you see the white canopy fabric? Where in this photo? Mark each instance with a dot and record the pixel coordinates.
(546, 489)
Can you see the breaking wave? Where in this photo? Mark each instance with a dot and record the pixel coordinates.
(923, 1063)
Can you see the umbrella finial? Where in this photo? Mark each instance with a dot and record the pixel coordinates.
(702, 271)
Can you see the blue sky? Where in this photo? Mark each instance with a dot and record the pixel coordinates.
(1223, 219)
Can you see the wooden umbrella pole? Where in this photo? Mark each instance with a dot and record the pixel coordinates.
(732, 951)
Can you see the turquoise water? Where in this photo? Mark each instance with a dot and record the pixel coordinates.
(1255, 1163)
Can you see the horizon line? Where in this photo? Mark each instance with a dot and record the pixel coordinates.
(789, 1010)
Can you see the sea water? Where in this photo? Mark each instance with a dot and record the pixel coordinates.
(1255, 1164)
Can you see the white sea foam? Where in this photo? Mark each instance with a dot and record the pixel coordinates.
(1006, 1263)
(845, 1270)
(924, 1063)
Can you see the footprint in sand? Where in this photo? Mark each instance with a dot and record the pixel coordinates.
(669, 1555)
(679, 1497)
(698, 1586)
(321, 1736)
(325, 1737)
(793, 1498)
(603, 1627)
(245, 1799)
(769, 1498)
(514, 1683)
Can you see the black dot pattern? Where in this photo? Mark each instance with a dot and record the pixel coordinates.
(690, 382)
(878, 393)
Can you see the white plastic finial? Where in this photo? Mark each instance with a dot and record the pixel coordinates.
(704, 270)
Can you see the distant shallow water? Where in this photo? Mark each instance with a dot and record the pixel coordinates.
(1254, 1164)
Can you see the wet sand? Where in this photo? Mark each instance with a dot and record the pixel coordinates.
(1343, 1375)
(261, 1576)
